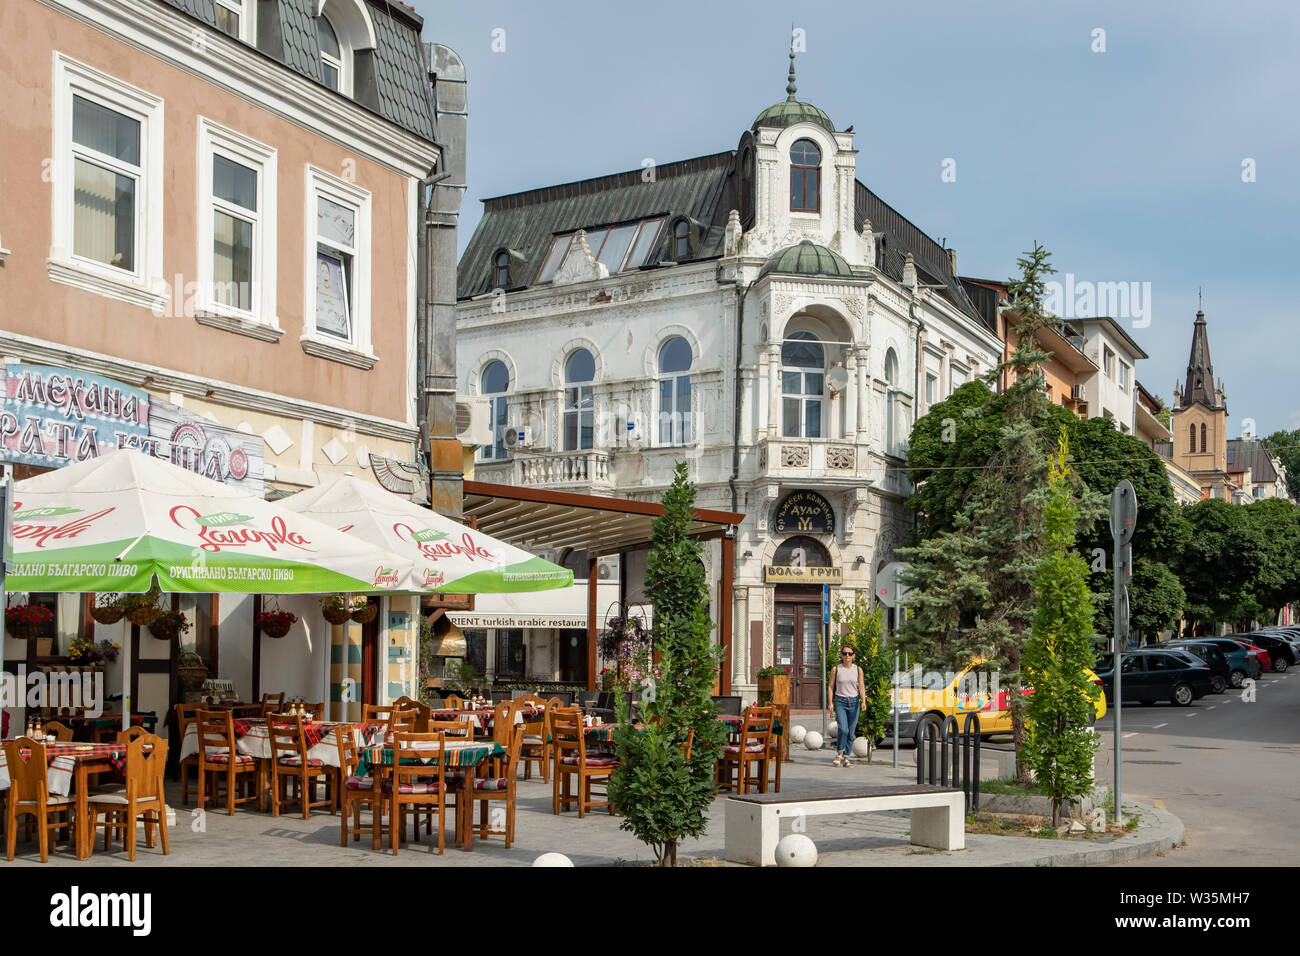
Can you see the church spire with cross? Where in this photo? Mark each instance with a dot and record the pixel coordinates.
(1200, 386)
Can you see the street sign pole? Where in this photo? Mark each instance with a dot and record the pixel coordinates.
(895, 683)
(1123, 517)
(826, 641)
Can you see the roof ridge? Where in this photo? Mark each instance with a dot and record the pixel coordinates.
(557, 190)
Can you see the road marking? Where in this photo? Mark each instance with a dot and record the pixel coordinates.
(1211, 707)
(1159, 805)
(1189, 715)
(1158, 726)
(1128, 735)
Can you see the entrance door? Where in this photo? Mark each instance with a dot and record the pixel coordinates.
(798, 637)
(370, 650)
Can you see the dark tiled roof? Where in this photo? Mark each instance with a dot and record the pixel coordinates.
(1251, 453)
(526, 222)
(287, 33)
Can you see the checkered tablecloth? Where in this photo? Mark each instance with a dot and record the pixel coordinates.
(459, 753)
(485, 718)
(62, 761)
(252, 738)
(736, 723)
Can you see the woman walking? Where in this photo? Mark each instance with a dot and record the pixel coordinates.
(848, 689)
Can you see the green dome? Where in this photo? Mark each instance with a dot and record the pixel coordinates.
(789, 112)
(807, 259)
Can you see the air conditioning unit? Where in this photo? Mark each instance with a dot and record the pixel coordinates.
(607, 569)
(1077, 392)
(473, 420)
(518, 437)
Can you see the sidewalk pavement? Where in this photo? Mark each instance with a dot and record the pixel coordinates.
(872, 839)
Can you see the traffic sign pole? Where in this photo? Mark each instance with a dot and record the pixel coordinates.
(1123, 518)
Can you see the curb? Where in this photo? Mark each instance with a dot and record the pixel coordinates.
(1166, 833)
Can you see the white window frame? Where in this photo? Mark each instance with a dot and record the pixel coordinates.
(681, 430)
(247, 21)
(261, 321)
(357, 352)
(342, 62)
(1124, 372)
(144, 286)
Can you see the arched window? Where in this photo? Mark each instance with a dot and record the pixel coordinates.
(801, 551)
(1191, 439)
(675, 392)
(805, 177)
(579, 401)
(803, 367)
(331, 54)
(746, 185)
(501, 271)
(1202, 437)
(494, 383)
(681, 240)
(891, 367)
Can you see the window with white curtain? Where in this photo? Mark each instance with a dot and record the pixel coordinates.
(237, 201)
(494, 384)
(331, 53)
(338, 267)
(675, 392)
(579, 401)
(106, 182)
(803, 374)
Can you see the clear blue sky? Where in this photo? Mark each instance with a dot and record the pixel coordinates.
(1126, 164)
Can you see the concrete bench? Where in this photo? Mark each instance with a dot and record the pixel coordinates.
(753, 820)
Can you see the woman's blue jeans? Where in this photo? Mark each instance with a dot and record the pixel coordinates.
(846, 715)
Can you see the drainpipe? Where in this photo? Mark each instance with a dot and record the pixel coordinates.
(437, 381)
(741, 292)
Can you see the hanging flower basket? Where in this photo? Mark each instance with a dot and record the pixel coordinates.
(168, 625)
(143, 616)
(275, 623)
(103, 614)
(25, 621)
(335, 609)
(366, 613)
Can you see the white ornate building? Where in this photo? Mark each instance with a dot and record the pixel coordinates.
(759, 313)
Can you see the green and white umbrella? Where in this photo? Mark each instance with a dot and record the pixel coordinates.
(117, 522)
(447, 557)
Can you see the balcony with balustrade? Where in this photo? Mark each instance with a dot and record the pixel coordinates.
(588, 470)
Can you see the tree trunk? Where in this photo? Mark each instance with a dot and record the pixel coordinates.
(1056, 812)
(670, 853)
(1018, 738)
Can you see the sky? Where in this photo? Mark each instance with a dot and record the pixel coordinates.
(1160, 152)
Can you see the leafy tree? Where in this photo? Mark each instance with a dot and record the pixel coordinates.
(1220, 562)
(1277, 525)
(1286, 445)
(1059, 745)
(860, 626)
(663, 795)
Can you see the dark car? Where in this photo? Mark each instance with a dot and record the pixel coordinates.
(1220, 669)
(1149, 675)
(1243, 663)
(1285, 651)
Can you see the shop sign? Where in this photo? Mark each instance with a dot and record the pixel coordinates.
(779, 574)
(806, 512)
(53, 417)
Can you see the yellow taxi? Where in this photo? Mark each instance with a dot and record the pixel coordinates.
(934, 696)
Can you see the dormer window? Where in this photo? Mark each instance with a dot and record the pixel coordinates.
(501, 270)
(231, 20)
(681, 240)
(805, 177)
(619, 247)
(331, 55)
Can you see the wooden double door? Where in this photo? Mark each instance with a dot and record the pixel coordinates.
(797, 645)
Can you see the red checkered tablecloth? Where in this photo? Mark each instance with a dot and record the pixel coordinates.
(62, 759)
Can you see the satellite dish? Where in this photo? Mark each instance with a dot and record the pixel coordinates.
(837, 379)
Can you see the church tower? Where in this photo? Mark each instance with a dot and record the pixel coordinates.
(1200, 419)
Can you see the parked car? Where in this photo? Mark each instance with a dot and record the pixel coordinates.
(1284, 651)
(1149, 675)
(1220, 669)
(1242, 664)
(1261, 654)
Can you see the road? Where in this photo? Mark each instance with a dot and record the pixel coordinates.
(1228, 767)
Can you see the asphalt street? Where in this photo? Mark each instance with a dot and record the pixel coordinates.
(1228, 766)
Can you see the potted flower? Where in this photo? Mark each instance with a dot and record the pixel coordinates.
(275, 623)
(94, 653)
(191, 671)
(141, 609)
(169, 625)
(336, 608)
(107, 608)
(774, 685)
(24, 621)
(363, 612)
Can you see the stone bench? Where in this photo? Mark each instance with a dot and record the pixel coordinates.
(753, 820)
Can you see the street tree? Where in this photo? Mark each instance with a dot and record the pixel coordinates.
(1224, 554)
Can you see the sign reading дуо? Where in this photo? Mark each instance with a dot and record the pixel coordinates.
(804, 511)
(777, 574)
(53, 417)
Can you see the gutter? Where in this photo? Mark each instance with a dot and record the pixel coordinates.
(741, 293)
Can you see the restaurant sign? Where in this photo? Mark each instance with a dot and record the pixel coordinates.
(804, 511)
(53, 417)
(802, 574)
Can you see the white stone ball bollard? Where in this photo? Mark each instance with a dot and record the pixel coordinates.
(812, 740)
(861, 747)
(797, 733)
(796, 850)
(552, 859)
(832, 729)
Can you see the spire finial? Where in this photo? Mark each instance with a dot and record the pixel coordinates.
(789, 86)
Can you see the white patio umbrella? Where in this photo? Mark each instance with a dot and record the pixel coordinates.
(124, 520)
(446, 556)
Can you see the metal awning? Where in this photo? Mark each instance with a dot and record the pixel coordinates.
(536, 519)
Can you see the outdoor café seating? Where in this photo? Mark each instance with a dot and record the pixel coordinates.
(536, 747)
(29, 796)
(292, 770)
(753, 751)
(357, 793)
(141, 798)
(416, 786)
(499, 788)
(219, 758)
(573, 762)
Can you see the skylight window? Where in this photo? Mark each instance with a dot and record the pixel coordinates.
(618, 247)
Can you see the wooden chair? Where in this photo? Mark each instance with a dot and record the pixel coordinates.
(752, 750)
(423, 712)
(537, 742)
(187, 717)
(452, 702)
(498, 788)
(571, 760)
(272, 703)
(29, 796)
(503, 724)
(773, 763)
(218, 756)
(356, 792)
(402, 721)
(377, 713)
(418, 786)
(146, 762)
(60, 732)
(290, 764)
